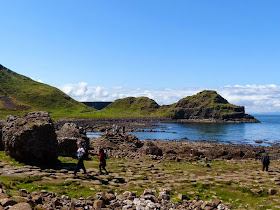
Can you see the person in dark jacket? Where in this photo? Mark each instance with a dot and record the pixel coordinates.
(102, 159)
(265, 161)
(80, 154)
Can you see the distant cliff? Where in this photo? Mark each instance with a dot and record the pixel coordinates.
(207, 105)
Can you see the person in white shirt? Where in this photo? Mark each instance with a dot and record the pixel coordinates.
(80, 154)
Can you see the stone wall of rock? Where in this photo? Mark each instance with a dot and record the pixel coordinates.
(30, 138)
(68, 136)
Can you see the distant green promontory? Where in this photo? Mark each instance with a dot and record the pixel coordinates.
(20, 94)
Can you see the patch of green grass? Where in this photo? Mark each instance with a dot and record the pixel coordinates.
(70, 188)
(8, 159)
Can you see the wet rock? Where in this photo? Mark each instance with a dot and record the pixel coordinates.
(30, 138)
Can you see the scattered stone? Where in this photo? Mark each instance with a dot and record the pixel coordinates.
(21, 206)
(98, 204)
(7, 202)
(272, 191)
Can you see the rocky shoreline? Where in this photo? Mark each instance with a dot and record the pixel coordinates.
(143, 174)
(209, 149)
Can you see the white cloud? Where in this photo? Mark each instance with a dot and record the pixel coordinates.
(255, 98)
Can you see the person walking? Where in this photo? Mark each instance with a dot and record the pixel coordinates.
(80, 154)
(123, 130)
(102, 163)
(113, 128)
(265, 161)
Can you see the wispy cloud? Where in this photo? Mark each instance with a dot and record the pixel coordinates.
(255, 98)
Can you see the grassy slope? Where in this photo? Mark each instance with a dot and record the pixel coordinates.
(32, 95)
(145, 107)
(206, 99)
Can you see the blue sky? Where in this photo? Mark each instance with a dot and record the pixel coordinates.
(120, 48)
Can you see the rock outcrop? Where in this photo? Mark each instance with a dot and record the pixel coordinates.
(30, 138)
(150, 148)
(68, 136)
(117, 145)
(209, 104)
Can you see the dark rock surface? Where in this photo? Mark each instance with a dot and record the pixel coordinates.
(117, 145)
(30, 138)
(68, 136)
(150, 148)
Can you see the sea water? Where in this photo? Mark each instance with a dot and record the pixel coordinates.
(268, 132)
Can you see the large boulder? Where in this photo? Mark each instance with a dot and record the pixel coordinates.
(68, 136)
(30, 138)
(150, 148)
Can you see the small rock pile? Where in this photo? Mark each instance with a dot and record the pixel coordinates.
(110, 200)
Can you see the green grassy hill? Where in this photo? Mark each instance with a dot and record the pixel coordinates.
(131, 107)
(207, 105)
(20, 95)
(204, 105)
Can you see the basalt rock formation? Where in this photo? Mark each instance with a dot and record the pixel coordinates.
(68, 136)
(30, 138)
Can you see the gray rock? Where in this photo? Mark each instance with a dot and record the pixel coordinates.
(30, 138)
(99, 204)
(7, 202)
(21, 206)
(272, 191)
(149, 148)
(68, 136)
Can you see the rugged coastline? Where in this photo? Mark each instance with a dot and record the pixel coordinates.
(142, 174)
